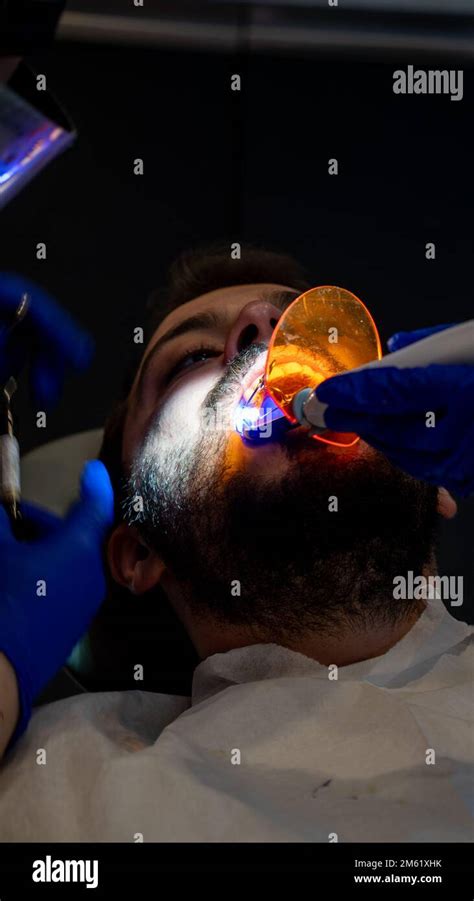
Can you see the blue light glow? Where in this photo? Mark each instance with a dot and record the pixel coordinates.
(251, 421)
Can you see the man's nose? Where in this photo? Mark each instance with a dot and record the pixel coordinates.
(254, 325)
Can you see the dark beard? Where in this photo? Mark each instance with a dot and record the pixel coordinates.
(271, 556)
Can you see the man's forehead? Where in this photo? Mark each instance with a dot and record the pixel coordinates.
(234, 296)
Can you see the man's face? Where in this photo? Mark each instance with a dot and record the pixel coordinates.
(306, 530)
(190, 351)
(187, 356)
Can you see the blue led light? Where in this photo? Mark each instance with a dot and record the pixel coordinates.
(256, 422)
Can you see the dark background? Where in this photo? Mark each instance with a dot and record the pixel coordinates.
(249, 166)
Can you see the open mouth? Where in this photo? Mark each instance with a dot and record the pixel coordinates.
(257, 417)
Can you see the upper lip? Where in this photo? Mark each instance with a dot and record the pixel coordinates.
(256, 371)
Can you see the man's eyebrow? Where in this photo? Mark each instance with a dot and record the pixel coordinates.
(206, 320)
(209, 319)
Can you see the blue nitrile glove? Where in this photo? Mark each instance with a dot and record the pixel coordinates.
(48, 337)
(387, 407)
(51, 588)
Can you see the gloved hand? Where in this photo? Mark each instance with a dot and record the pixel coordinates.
(387, 407)
(48, 335)
(51, 588)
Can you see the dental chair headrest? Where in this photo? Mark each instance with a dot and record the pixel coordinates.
(50, 474)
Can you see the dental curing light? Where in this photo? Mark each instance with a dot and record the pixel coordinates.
(452, 346)
(325, 331)
(257, 416)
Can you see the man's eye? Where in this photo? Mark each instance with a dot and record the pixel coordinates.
(191, 357)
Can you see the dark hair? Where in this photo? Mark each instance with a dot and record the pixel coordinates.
(212, 266)
(195, 272)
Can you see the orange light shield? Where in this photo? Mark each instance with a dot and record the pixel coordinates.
(325, 331)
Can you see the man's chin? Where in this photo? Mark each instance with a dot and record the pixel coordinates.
(295, 448)
(310, 531)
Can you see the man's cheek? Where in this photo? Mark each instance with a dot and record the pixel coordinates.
(183, 417)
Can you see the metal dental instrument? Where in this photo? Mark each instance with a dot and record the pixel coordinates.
(9, 448)
(9, 455)
(453, 345)
(20, 314)
(258, 387)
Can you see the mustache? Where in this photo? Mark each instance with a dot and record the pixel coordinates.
(228, 383)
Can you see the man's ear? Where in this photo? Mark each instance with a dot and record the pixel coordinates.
(447, 506)
(131, 563)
